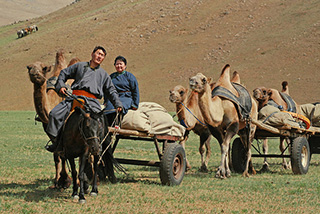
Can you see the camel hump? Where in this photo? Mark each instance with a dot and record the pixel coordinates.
(235, 77)
(285, 87)
(224, 80)
(225, 74)
(73, 61)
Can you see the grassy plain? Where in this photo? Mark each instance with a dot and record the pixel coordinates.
(27, 170)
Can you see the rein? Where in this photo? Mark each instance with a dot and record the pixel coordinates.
(193, 114)
(188, 100)
(112, 137)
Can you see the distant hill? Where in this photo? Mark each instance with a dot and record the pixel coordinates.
(166, 42)
(21, 10)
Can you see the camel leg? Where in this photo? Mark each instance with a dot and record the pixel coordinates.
(224, 170)
(247, 140)
(57, 161)
(182, 143)
(282, 147)
(265, 150)
(205, 146)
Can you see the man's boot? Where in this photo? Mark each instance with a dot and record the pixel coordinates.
(53, 146)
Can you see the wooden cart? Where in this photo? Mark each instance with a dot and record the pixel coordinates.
(172, 158)
(303, 143)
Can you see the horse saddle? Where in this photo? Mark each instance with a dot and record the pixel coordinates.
(243, 103)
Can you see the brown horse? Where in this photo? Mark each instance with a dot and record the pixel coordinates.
(223, 118)
(45, 99)
(81, 137)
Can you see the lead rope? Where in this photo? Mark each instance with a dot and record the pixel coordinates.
(117, 128)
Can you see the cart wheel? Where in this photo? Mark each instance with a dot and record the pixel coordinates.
(172, 165)
(300, 155)
(239, 156)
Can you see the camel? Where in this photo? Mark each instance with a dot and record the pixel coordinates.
(45, 100)
(224, 117)
(189, 115)
(266, 96)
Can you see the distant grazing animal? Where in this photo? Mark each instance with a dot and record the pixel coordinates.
(45, 100)
(20, 33)
(81, 137)
(224, 117)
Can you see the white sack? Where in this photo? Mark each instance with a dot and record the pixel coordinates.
(152, 118)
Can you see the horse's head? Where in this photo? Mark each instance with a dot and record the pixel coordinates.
(92, 130)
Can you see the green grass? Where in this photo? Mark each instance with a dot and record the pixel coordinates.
(27, 170)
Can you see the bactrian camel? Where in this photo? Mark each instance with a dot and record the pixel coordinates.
(223, 118)
(189, 115)
(45, 100)
(270, 96)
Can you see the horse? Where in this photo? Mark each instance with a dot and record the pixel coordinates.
(81, 137)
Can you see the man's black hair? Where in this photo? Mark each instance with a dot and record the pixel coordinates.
(121, 58)
(100, 48)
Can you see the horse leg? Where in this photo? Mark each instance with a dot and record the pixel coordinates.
(64, 180)
(205, 142)
(74, 179)
(94, 191)
(82, 164)
(265, 149)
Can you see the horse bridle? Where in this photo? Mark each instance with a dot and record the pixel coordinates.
(85, 138)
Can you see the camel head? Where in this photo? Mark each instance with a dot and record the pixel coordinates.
(37, 72)
(198, 82)
(262, 94)
(178, 94)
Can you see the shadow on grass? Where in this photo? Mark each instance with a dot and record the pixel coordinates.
(31, 192)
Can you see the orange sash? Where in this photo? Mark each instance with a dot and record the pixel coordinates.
(83, 93)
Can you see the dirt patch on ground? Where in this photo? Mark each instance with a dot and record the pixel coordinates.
(166, 42)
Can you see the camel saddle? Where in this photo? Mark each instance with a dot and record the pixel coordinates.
(243, 103)
(51, 84)
(290, 103)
